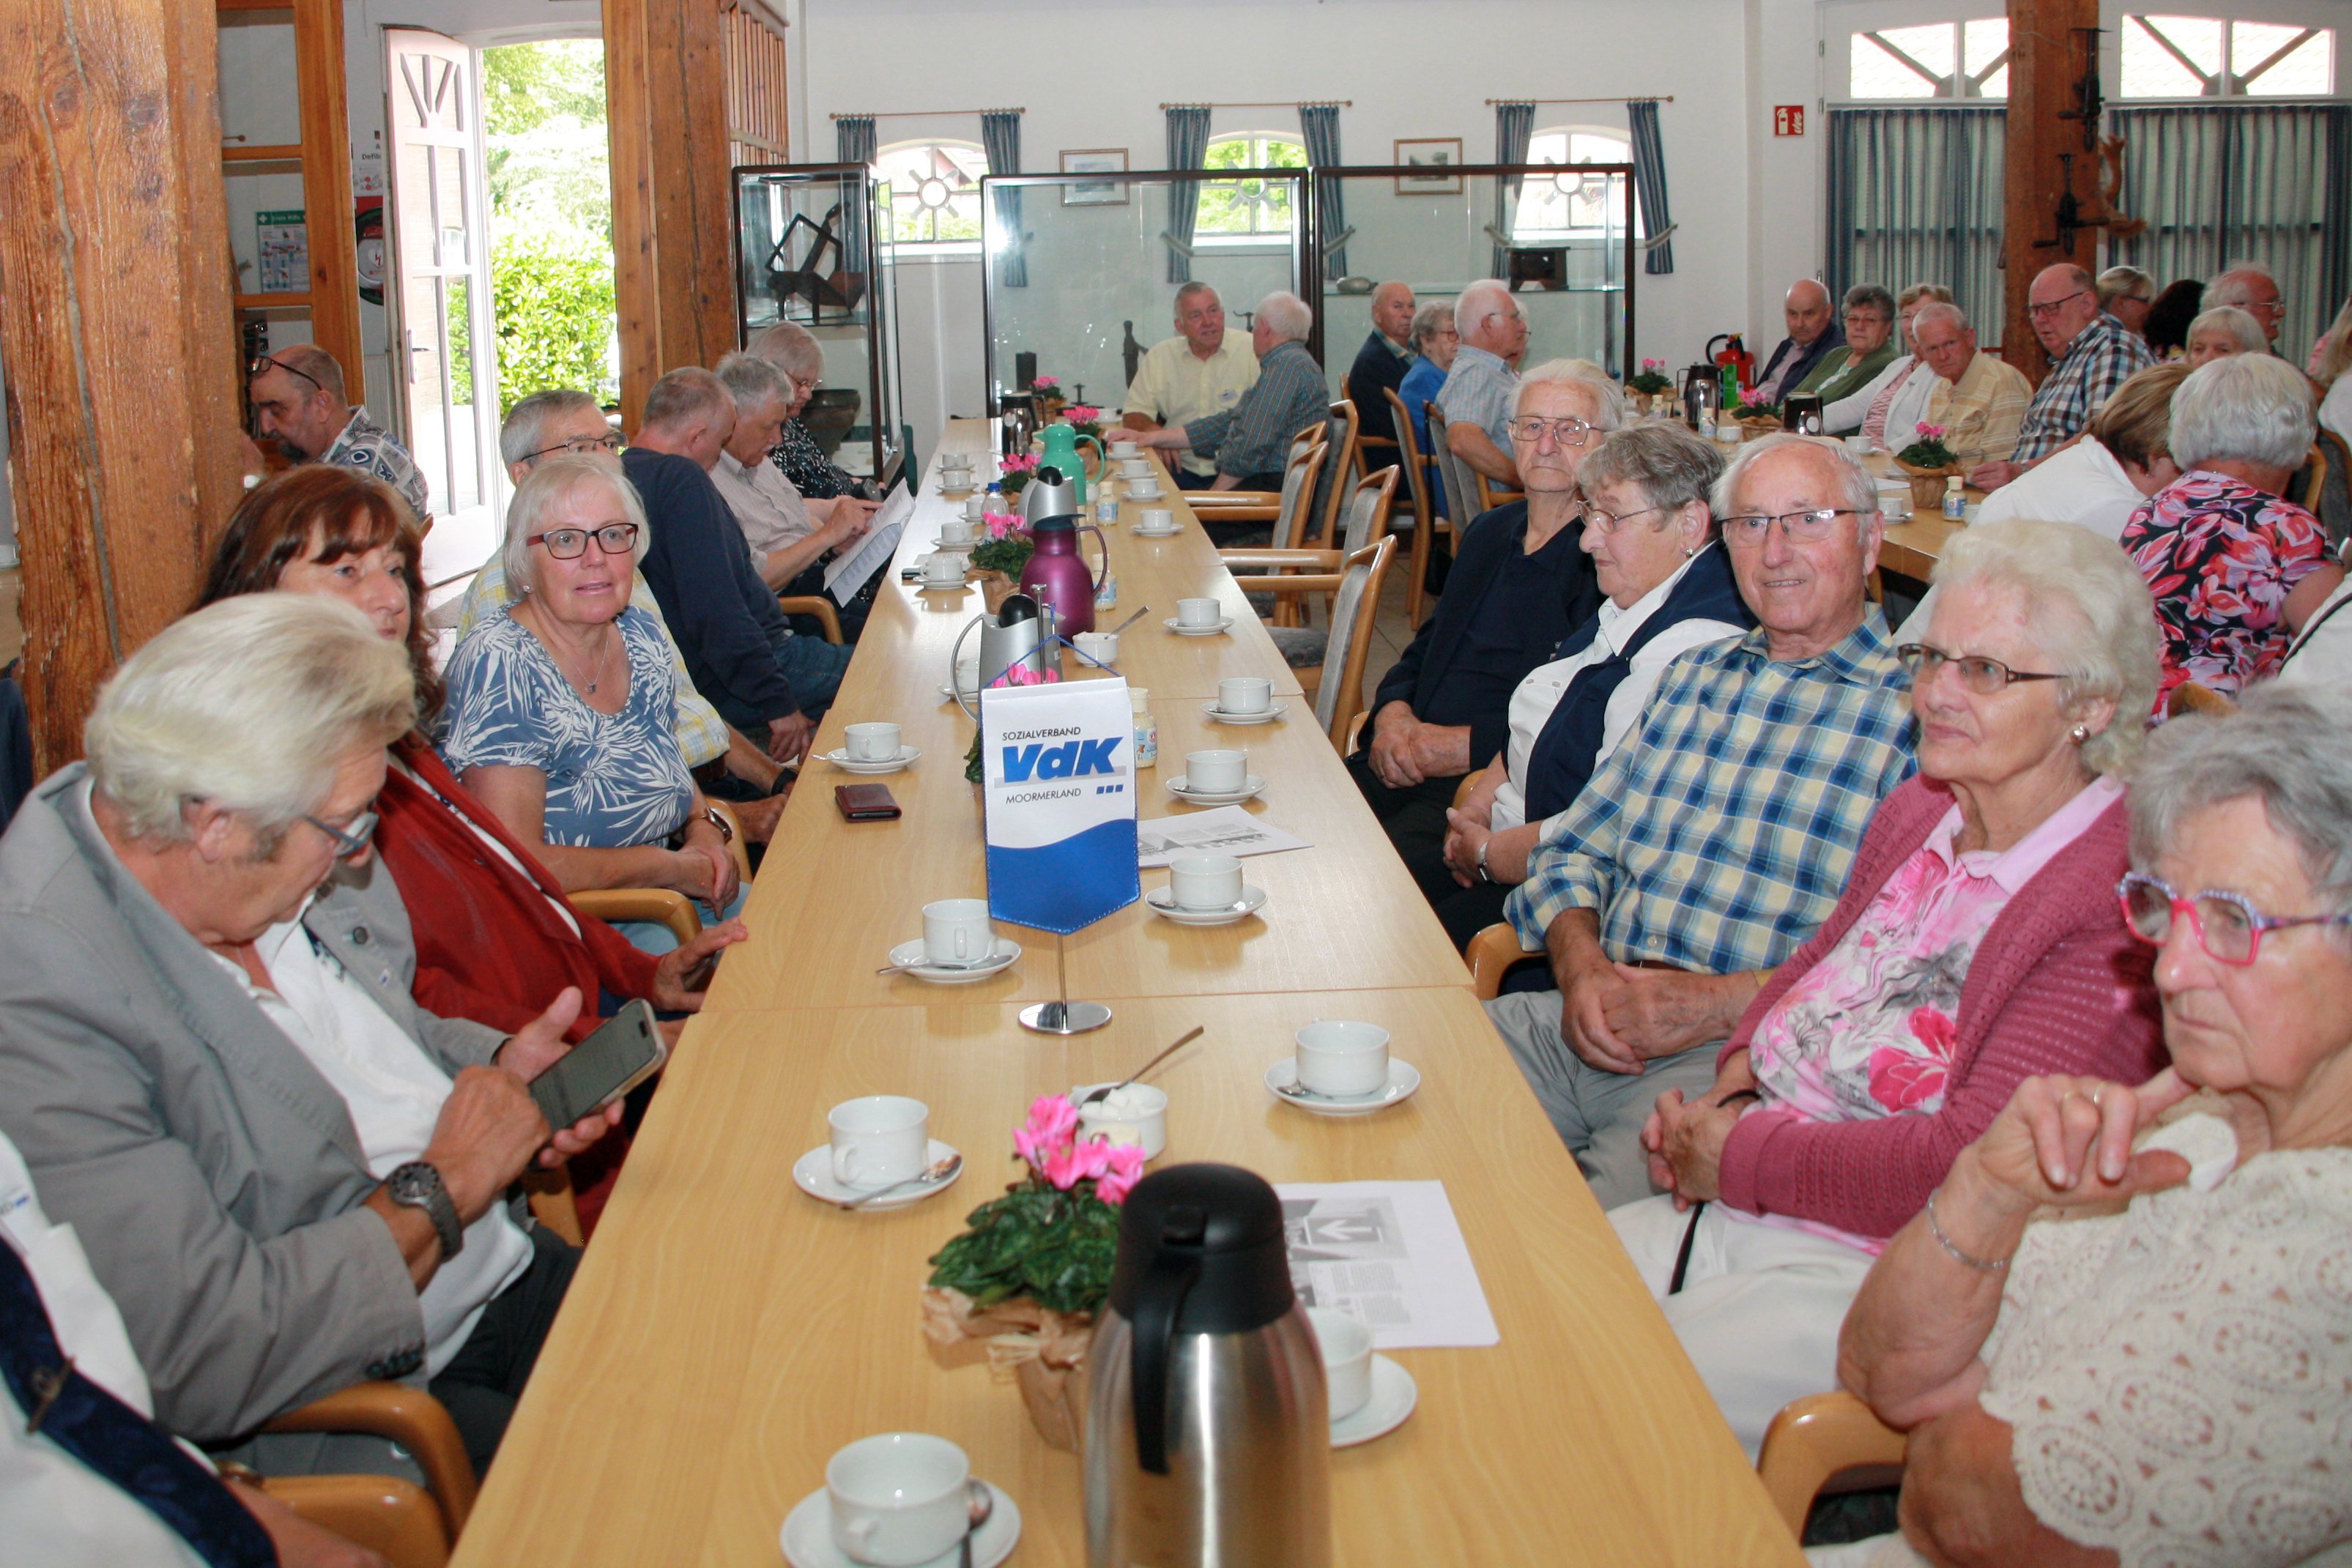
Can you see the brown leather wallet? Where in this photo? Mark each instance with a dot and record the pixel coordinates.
(866, 802)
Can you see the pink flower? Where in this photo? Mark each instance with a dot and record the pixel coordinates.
(1930, 432)
(1021, 462)
(1079, 414)
(1068, 1168)
(1045, 381)
(1126, 1170)
(1053, 1123)
(1002, 524)
(1654, 364)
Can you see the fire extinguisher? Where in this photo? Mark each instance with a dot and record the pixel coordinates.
(1734, 354)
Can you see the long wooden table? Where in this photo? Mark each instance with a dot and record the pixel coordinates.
(725, 1334)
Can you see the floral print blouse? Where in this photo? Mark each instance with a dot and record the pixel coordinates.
(1868, 1031)
(2221, 557)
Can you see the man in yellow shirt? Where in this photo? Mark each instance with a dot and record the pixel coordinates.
(1979, 400)
(1190, 376)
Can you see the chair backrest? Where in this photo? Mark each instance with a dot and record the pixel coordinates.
(1461, 486)
(1341, 428)
(1410, 458)
(2189, 696)
(1367, 502)
(1307, 460)
(2332, 503)
(1341, 696)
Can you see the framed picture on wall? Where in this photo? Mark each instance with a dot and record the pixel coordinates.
(1432, 152)
(1094, 161)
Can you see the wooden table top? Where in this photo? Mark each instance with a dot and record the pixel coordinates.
(725, 1334)
(1913, 545)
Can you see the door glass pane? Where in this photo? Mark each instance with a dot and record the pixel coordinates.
(2304, 71)
(2153, 70)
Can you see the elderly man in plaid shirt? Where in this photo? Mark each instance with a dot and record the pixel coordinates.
(2091, 354)
(1251, 441)
(1703, 853)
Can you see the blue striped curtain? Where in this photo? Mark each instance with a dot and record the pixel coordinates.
(1515, 127)
(1188, 147)
(1318, 126)
(1000, 136)
(853, 139)
(1650, 181)
(2266, 182)
(1916, 197)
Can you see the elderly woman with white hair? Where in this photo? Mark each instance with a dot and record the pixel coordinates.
(2116, 1333)
(2236, 568)
(794, 350)
(1521, 581)
(562, 714)
(2221, 332)
(1976, 942)
(288, 1176)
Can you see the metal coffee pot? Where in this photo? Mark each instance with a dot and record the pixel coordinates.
(1016, 637)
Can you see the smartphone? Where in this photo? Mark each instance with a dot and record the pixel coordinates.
(625, 1051)
(866, 802)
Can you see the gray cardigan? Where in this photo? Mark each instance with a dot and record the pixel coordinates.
(213, 1174)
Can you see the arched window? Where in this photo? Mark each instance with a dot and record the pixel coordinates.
(934, 192)
(2205, 57)
(1940, 59)
(1569, 205)
(1246, 212)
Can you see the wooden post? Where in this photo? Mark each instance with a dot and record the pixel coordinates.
(116, 323)
(319, 67)
(2045, 60)
(666, 87)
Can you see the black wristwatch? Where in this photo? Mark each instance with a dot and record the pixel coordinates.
(418, 1186)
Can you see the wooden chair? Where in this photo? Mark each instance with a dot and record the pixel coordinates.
(2189, 696)
(1826, 1442)
(409, 1417)
(1426, 522)
(382, 1513)
(1492, 954)
(2330, 490)
(816, 604)
(1221, 506)
(1303, 647)
(1343, 426)
(1353, 580)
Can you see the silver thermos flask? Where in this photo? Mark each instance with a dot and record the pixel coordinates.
(1208, 1442)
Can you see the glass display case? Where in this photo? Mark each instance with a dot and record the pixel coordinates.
(1565, 236)
(813, 246)
(1081, 270)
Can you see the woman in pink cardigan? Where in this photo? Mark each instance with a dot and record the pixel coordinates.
(1978, 943)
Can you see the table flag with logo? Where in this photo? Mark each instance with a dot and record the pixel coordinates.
(1058, 779)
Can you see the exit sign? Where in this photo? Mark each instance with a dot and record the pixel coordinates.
(1787, 120)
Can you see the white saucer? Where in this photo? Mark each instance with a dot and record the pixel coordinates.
(910, 954)
(839, 757)
(1139, 531)
(1163, 903)
(1133, 494)
(948, 694)
(1282, 1080)
(926, 586)
(812, 1173)
(1263, 716)
(954, 547)
(808, 1535)
(1394, 1394)
(1179, 788)
(1223, 626)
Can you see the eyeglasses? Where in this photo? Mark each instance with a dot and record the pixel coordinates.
(2052, 308)
(1981, 676)
(580, 446)
(1854, 316)
(2228, 926)
(1802, 527)
(1610, 522)
(571, 544)
(1532, 428)
(350, 840)
(264, 362)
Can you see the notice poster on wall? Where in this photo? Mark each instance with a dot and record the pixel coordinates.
(282, 241)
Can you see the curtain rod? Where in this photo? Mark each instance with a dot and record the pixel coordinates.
(1491, 102)
(921, 113)
(1274, 104)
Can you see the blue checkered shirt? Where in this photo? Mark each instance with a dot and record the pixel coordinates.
(1254, 436)
(1723, 835)
(2102, 357)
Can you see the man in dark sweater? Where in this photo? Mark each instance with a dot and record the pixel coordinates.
(739, 647)
(1380, 367)
(1521, 581)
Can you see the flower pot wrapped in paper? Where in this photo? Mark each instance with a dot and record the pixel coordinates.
(997, 560)
(1644, 388)
(1050, 400)
(1928, 462)
(1013, 474)
(1034, 1267)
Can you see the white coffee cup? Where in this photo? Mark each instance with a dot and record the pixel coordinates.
(1216, 773)
(1205, 881)
(1244, 693)
(878, 1139)
(1199, 612)
(956, 531)
(956, 931)
(1895, 501)
(1135, 1114)
(1858, 445)
(1340, 1059)
(1143, 489)
(1099, 645)
(1125, 450)
(1158, 521)
(944, 569)
(1133, 465)
(975, 507)
(1347, 1346)
(967, 676)
(898, 1499)
(872, 742)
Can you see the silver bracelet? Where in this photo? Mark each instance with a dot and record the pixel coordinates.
(1981, 1265)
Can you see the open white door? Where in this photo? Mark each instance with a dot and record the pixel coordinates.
(438, 291)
